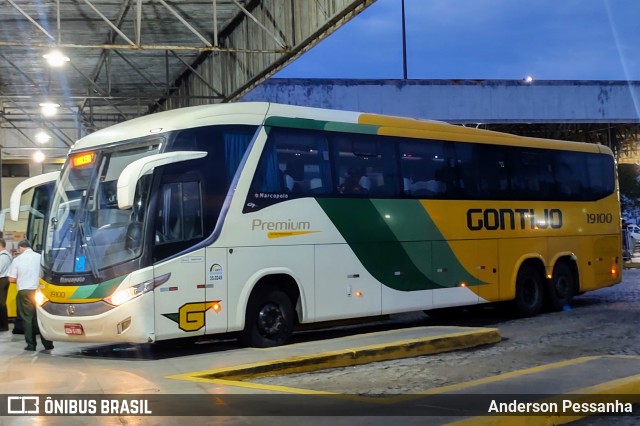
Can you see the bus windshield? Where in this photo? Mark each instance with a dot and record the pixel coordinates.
(87, 231)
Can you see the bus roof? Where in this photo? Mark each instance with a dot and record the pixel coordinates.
(255, 113)
(181, 118)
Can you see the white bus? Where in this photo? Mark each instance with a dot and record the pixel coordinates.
(251, 218)
(37, 211)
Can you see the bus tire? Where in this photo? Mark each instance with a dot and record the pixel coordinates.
(268, 321)
(529, 291)
(562, 288)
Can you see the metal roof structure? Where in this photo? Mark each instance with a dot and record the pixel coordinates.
(132, 57)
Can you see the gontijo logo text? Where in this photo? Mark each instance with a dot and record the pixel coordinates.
(494, 219)
(284, 228)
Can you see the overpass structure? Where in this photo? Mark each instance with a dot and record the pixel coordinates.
(606, 112)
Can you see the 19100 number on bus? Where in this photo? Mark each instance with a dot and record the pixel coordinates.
(599, 218)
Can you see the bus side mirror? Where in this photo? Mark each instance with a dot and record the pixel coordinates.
(133, 172)
(25, 185)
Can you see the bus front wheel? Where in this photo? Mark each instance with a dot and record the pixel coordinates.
(529, 291)
(268, 321)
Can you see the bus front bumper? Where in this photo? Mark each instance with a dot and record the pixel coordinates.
(131, 322)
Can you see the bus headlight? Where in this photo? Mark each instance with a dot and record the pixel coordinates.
(41, 299)
(123, 296)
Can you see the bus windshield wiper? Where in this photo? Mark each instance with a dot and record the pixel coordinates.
(61, 254)
(89, 250)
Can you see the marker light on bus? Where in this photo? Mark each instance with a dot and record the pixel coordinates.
(614, 270)
(216, 307)
(82, 160)
(41, 299)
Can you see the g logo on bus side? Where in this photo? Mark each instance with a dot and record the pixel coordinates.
(191, 316)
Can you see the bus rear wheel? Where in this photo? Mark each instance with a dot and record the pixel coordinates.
(529, 291)
(268, 321)
(562, 289)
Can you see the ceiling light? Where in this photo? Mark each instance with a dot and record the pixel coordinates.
(42, 137)
(39, 156)
(55, 58)
(49, 109)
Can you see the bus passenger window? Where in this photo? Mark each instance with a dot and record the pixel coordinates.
(365, 165)
(531, 174)
(425, 168)
(294, 164)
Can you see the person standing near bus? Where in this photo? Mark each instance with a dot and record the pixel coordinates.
(25, 272)
(5, 262)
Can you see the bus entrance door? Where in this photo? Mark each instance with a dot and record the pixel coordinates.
(180, 306)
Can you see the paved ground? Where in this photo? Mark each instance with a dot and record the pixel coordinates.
(605, 322)
(602, 323)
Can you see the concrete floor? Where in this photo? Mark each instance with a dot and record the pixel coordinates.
(183, 378)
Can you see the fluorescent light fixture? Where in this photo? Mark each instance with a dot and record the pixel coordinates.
(39, 156)
(42, 137)
(49, 109)
(55, 58)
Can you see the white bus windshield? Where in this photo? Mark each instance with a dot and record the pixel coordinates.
(101, 234)
(89, 233)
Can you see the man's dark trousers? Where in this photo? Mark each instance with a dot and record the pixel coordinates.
(27, 311)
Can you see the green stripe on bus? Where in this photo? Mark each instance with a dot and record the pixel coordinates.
(84, 292)
(295, 123)
(97, 291)
(396, 254)
(412, 224)
(330, 126)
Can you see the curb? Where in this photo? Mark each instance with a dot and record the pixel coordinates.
(352, 356)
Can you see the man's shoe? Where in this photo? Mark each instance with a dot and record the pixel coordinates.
(29, 348)
(48, 348)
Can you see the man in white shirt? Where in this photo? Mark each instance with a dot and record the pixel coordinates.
(25, 272)
(5, 262)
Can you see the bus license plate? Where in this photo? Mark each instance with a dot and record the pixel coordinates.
(73, 329)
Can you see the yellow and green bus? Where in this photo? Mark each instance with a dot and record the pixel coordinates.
(252, 218)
